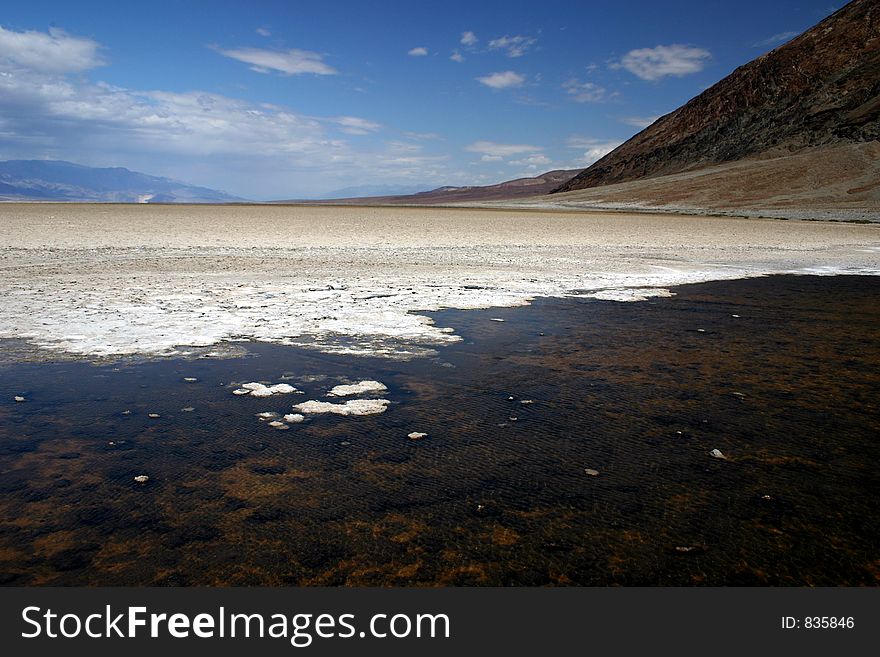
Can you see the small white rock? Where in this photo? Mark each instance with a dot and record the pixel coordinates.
(153, 415)
(294, 418)
(416, 435)
(275, 424)
(241, 391)
(142, 479)
(187, 409)
(717, 454)
(19, 398)
(495, 319)
(266, 415)
(591, 472)
(190, 379)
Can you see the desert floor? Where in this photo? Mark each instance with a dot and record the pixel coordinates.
(115, 280)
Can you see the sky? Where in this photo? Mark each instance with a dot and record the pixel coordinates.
(272, 100)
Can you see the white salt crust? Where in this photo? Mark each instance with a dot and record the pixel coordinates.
(112, 282)
(357, 389)
(262, 390)
(351, 407)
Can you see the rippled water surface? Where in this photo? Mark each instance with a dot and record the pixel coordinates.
(496, 493)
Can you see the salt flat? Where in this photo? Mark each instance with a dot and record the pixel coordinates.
(114, 280)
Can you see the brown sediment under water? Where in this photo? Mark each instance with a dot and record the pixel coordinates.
(781, 374)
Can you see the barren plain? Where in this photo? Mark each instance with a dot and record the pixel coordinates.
(108, 281)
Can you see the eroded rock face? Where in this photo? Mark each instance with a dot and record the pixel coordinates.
(819, 89)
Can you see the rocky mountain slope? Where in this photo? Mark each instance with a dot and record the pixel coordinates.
(818, 90)
(839, 182)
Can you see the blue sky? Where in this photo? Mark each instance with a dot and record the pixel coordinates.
(292, 99)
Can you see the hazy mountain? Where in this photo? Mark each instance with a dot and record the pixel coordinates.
(53, 180)
(374, 190)
(819, 91)
(521, 187)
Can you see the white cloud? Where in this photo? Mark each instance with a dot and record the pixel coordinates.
(288, 62)
(516, 46)
(423, 136)
(75, 116)
(456, 56)
(252, 149)
(55, 52)
(658, 62)
(532, 161)
(585, 92)
(400, 147)
(468, 39)
(262, 31)
(353, 125)
(491, 158)
(594, 149)
(502, 80)
(639, 121)
(494, 149)
(421, 51)
(782, 37)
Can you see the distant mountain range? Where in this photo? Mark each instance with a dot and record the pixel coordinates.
(54, 180)
(819, 91)
(357, 191)
(512, 189)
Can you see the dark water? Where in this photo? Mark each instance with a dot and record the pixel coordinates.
(788, 391)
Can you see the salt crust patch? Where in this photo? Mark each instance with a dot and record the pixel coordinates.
(162, 317)
(630, 294)
(111, 302)
(351, 407)
(261, 390)
(357, 389)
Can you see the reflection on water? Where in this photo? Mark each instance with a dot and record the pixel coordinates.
(496, 493)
